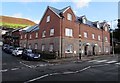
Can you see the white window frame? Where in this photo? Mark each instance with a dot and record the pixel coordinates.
(21, 36)
(48, 19)
(69, 16)
(30, 36)
(24, 45)
(52, 31)
(98, 25)
(44, 34)
(106, 28)
(85, 34)
(106, 39)
(36, 35)
(30, 46)
(25, 36)
(99, 37)
(93, 36)
(51, 47)
(69, 48)
(36, 45)
(43, 47)
(68, 32)
(84, 20)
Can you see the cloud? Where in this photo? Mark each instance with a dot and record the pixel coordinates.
(81, 3)
(18, 15)
(36, 21)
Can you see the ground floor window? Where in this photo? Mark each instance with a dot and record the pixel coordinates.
(99, 49)
(30, 46)
(36, 46)
(43, 47)
(51, 48)
(68, 48)
(24, 45)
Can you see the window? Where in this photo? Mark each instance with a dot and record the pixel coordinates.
(99, 49)
(68, 49)
(25, 35)
(24, 45)
(51, 32)
(69, 16)
(106, 40)
(30, 36)
(36, 35)
(30, 46)
(85, 34)
(48, 19)
(93, 36)
(43, 33)
(106, 28)
(51, 48)
(99, 37)
(21, 36)
(84, 20)
(68, 32)
(43, 47)
(36, 46)
(98, 25)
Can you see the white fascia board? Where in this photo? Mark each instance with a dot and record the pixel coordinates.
(54, 12)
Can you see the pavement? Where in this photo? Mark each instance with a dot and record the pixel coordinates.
(83, 58)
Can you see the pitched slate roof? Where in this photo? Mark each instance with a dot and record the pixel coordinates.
(33, 28)
(58, 11)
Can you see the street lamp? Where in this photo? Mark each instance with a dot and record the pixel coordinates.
(112, 31)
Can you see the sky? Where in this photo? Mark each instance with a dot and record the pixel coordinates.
(99, 10)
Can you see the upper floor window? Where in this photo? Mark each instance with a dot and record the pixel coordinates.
(30, 36)
(69, 16)
(51, 32)
(36, 35)
(25, 35)
(93, 36)
(106, 29)
(106, 40)
(85, 35)
(48, 19)
(99, 37)
(21, 36)
(68, 32)
(84, 20)
(98, 25)
(43, 33)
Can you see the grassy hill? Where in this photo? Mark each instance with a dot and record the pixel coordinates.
(12, 22)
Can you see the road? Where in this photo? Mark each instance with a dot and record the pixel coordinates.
(101, 69)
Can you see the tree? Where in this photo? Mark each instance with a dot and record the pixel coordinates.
(118, 23)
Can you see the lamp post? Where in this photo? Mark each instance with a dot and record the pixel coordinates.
(80, 47)
(112, 31)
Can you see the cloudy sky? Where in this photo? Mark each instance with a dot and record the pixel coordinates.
(34, 9)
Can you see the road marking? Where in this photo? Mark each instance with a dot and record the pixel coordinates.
(68, 72)
(101, 61)
(5, 70)
(111, 62)
(93, 61)
(118, 63)
(26, 65)
(37, 78)
(14, 69)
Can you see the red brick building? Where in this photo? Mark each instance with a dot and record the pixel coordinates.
(62, 31)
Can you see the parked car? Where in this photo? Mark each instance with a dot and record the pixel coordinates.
(10, 49)
(29, 55)
(17, 51)
(5, 46)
